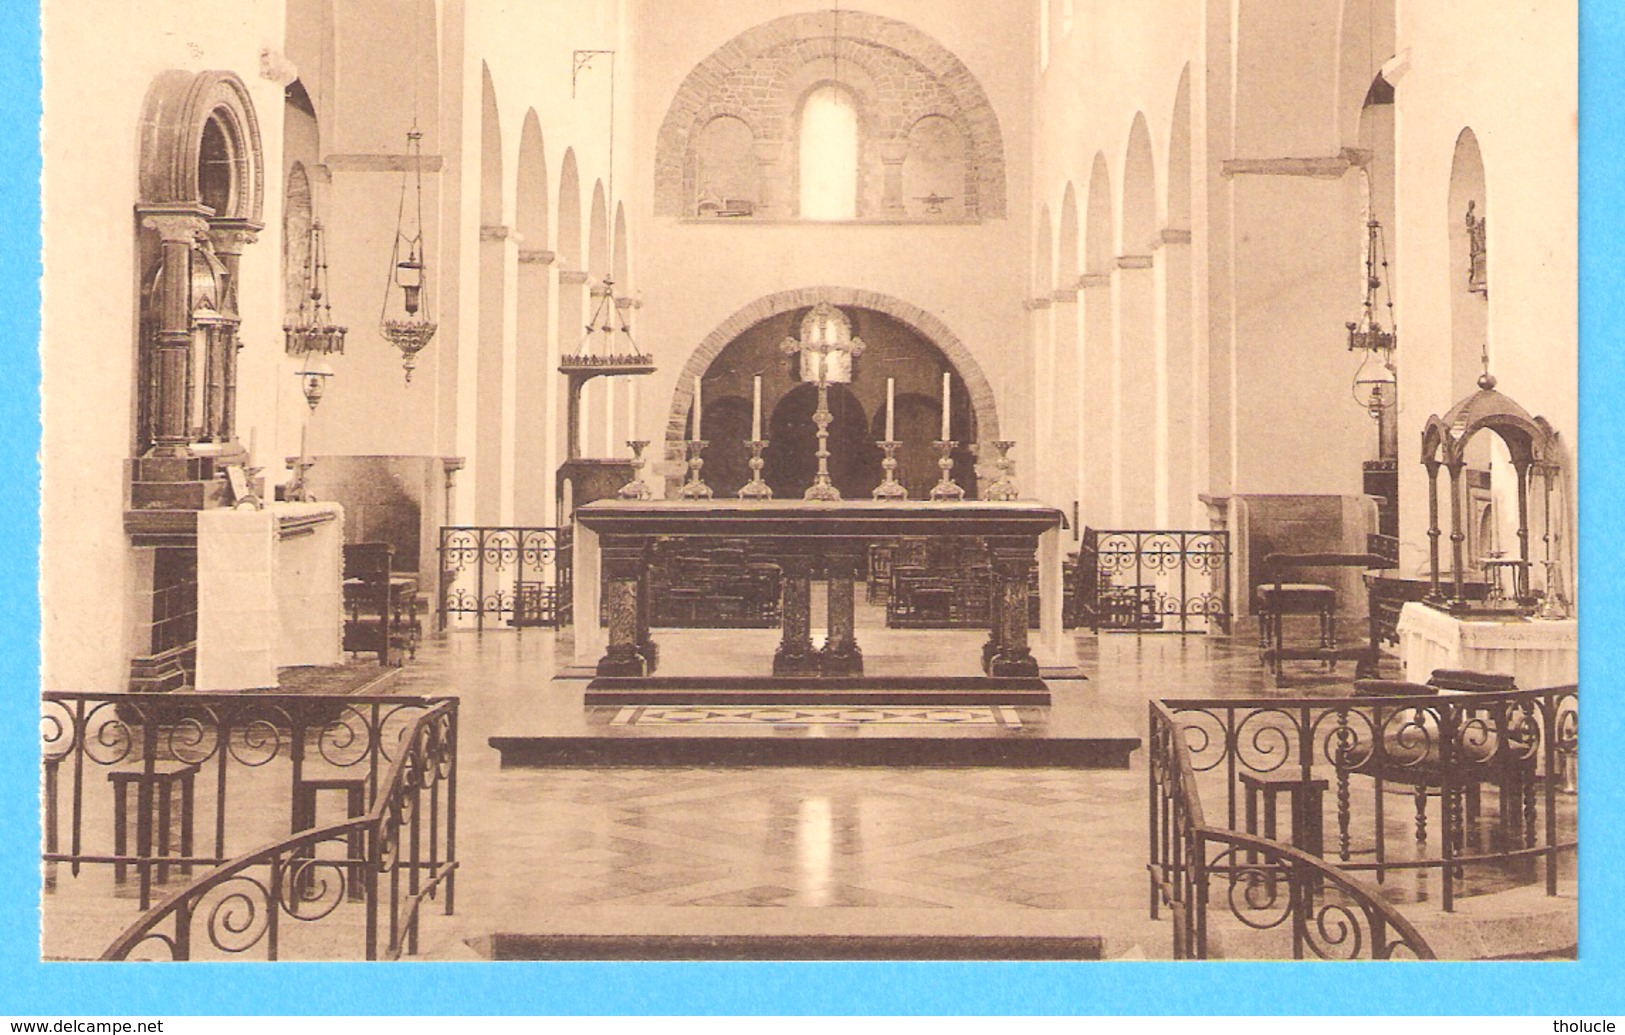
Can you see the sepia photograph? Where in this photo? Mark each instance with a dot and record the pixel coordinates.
(915, 480)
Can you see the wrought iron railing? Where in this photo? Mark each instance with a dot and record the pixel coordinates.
(1440, 752)
(1154, 580)
(155, 786)
(375, 871)
(520, 577)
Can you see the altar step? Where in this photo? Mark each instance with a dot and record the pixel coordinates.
(803, 690)
(787, 947)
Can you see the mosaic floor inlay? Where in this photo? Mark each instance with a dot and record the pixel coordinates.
(814, 715)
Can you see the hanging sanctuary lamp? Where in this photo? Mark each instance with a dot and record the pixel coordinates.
(407, 320)
(607, 348)
(1375, 387)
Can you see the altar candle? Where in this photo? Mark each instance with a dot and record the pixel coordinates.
(756, 409)
(891, 405)
(694, 433)
(945, 405)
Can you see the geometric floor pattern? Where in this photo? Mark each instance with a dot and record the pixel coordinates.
(816, 837)
(815, 715)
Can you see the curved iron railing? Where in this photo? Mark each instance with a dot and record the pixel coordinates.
(383, 864)
(154, 783)
(1266, 885)
(1441, 751)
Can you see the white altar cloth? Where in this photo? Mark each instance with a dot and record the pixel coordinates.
(1536, 654)
(270, 592)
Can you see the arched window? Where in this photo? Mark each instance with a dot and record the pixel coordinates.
(829, 155)
(725, 169)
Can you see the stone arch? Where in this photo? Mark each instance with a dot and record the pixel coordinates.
(778, 49)
(927, 324)
(179, 107)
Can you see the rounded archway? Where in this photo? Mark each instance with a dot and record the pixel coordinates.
(898, 348)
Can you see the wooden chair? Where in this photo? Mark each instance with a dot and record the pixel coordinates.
(1278, 598)
(380, 606)
(1410, 756)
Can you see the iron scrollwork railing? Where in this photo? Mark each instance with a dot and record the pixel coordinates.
(1440, 752)
(1263, 885)
(1154, 580)
(377, 869)
(159, 785)
(520, 577)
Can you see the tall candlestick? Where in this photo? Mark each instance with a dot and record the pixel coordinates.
(756, 409)
(891, 407)
(945, 406)
(694, 432)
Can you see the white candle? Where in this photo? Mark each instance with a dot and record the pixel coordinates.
(694, 433)
(891, 406)
(756, 409)
(945, 405)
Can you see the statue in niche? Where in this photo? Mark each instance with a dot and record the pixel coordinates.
(1477, 266)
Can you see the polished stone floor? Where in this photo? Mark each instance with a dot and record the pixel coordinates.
(828, 851)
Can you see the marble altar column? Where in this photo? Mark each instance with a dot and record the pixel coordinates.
(623, 560)
(795, 656)
(841, 655)
(648, 649)
(1012, 569)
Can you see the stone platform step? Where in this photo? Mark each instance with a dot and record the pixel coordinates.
(786, 745)
(786, 947)
(854, 690)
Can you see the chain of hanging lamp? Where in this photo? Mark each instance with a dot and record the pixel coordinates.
(410, 326)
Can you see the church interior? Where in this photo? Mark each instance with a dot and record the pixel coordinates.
(928, 479)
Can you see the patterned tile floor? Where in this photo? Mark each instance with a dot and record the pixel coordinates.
(815, 715)
(709, 850)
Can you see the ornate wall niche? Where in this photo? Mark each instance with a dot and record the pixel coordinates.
(201, 197)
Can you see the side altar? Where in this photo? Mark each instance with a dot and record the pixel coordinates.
(812, 540)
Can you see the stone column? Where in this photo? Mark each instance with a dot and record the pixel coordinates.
(648, 650)
(892, 153)
(795, 656)
(769, 180)
(841, 655)
(623, 561)
(1012, 567)
(229, 237)
(171, 416)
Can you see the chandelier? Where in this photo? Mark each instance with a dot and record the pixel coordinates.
(607, 347)
(313, 329)
(407, 322)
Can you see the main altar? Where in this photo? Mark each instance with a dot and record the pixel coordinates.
(812, 540)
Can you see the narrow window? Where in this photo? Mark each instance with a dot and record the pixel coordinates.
(829, 156)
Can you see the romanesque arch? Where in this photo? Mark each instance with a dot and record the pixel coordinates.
(899, 76)
(957, 352)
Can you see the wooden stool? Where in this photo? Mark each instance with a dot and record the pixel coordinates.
(354, 789)
(153, 822)
(1277, 601)
(1305, 805)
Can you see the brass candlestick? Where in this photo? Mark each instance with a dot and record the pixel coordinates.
(822, 488)
(637, 488)
(1003, 487)
(946, 489)
(695, 489)
(891, 488)
(756, 489)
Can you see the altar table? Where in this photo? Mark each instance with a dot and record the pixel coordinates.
(1537, 654)
(810, 540)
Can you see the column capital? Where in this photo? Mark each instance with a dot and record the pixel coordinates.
(568, 276)
(1041, 302)
(229, 236)
(175, 225)
(1134, 262)
(538, 256)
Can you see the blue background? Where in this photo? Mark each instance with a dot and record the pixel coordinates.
(29, 987)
